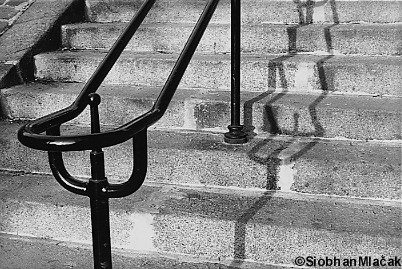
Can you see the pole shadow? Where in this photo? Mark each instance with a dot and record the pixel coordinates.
(305, 10)
(272, 161)
(307, 16)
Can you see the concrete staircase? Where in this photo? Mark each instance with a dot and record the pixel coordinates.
(321, 93)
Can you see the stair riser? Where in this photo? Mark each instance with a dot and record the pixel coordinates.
(48, 254)
(267, 38)
(253, 11)
(297, 115)
(210, 239)
(346, 169)
(213, 225)
(292, 73)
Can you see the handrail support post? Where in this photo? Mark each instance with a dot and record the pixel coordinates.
(98, 201)
(102, 253)
(236, 135)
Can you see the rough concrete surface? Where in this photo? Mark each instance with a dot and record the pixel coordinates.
(299, 114)
(326, 197)
(255, 11)
(372, 39)
(10, 10)
(349, 168)
(24, 252)
(344, 74)
(209, 223)
(23, 39)
(30, 27)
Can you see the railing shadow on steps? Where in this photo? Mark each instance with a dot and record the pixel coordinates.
(305, 9)
(98, 189)
(272, 159)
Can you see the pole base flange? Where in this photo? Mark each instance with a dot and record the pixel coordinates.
(235, 135)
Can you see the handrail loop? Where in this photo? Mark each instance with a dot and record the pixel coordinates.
(98, 189)
(136, 129)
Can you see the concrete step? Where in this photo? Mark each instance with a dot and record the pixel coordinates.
(253, 11)
(296, 114)
(345, 168)
(292, 72)
(217, 224)
(372, 39)
(26, 252)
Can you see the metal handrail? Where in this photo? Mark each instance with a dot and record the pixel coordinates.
(98, 189)
(30, 134)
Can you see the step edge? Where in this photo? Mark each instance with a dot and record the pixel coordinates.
(130, 253)
(237, 191)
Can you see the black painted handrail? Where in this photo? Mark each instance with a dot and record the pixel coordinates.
(31, 135)
(98, 188)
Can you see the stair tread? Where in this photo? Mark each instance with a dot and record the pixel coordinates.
(212, 219)
(307, 58)
(297, 27)
(299, 114)
(368, 39)
(374, 102)
(24, 252)
(337, 167)
(254, 11)
(302, 72)
(225, 56)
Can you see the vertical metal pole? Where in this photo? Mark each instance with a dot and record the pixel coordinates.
(236, 135)
(99, 204)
